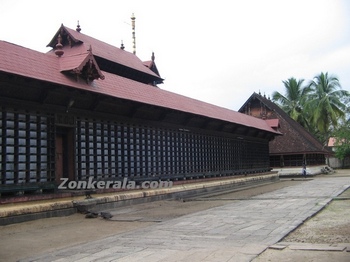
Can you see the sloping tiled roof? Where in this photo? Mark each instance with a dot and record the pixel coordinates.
(21, 61)
(102, 49)
(148, 63)
(152, 65)
(296, 139)
(76, 64)
(332, 141)
(274, 123)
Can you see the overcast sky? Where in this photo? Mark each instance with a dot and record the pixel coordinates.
(215, 51)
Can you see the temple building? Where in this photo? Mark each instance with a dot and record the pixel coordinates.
(89, 109)
(296, 146)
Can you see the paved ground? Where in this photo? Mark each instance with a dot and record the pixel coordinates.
(237, 231)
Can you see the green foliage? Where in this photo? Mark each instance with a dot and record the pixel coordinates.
(342, 142)
(294, 99)
(319, 106)
(324, 100)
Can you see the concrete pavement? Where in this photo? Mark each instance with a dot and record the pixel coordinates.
(29, 210)
(238, 231)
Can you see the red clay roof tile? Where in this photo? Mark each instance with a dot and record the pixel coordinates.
(25, 62)
(103, 50)
(77, 62)
(273, 122)
(296, 139)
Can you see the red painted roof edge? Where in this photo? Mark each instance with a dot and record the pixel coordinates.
(273, 122)
(124, 57)
(46, 67)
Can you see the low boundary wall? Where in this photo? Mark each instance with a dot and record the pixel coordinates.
(21, 212)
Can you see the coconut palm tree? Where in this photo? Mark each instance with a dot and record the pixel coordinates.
(346, 102)
(325, 103)
(294, 99)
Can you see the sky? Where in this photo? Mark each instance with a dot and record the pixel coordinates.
(218, 51)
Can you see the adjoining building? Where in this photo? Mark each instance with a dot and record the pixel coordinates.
(296, 146)
(335, 162)
(89, 109)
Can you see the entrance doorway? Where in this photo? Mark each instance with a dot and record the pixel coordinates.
(64, 153)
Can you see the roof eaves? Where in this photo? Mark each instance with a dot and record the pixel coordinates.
(46, 67)
(104, 51)
(78, 64)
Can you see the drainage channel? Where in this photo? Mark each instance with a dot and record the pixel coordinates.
(210, 196)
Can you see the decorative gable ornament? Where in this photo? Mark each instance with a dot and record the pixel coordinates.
(59, 52)
(82, 65)
(71, 46)
(66, 38)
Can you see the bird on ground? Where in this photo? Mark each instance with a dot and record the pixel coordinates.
(91, 214)
(106, 215)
